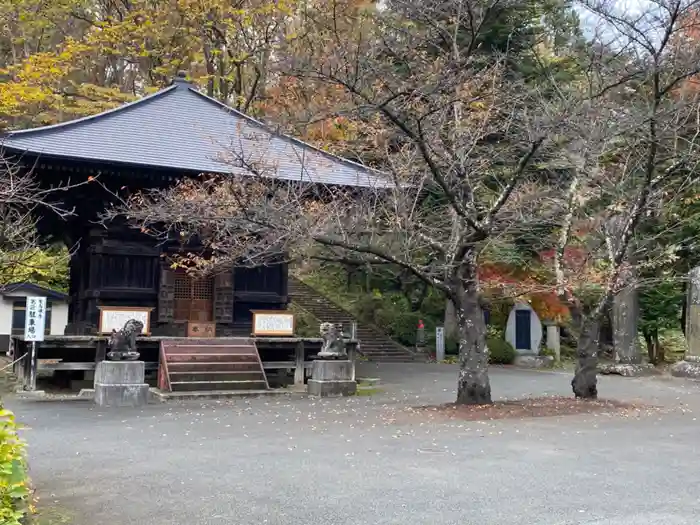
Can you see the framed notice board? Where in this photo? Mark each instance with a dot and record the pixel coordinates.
(115, 317)
(273, 322)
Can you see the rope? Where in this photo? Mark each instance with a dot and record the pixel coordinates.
(13, 362)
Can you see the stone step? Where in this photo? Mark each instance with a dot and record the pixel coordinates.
(382, 354)
(218, 394)
(372, 341)
(390, 349)
(388, 354)
(205, 386)
(391, 359)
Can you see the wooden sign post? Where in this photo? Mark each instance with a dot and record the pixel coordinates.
(34, 327)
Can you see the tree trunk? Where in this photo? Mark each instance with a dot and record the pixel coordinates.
(684, 309)
(660, 351)
(585, 381)
(654, 350)
(473, 386)
(650, 346)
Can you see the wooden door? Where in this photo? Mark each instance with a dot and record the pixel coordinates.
(194, 299)
(522, 330)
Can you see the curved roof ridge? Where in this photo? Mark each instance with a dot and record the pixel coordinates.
(181, 128)
(271, 130)
(96, 116)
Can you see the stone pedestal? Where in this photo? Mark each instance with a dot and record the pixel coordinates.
(690, 366)
(121, 384)
(625, 317)
(553, 339)
(332, 378)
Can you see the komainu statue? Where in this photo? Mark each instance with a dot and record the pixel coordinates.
(333, 344)
(122, 344)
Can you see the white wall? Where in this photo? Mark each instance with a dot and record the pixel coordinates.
(6, 316)
(535, 329)
(59, 313)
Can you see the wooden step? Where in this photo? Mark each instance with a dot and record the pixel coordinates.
(207, 386)
(216, 376)
(210, 349)
(216, 366)
(212, 358)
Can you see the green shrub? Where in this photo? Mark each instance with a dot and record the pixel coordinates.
(305, 324)
(500, 352)
(567, 352)
(368, 309)
(451, 346)
(15, 494)
(547, 352)
(494, 332)
(404, 326)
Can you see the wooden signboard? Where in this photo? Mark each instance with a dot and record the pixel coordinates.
(196, 329)
(273, 322)
(115, 317)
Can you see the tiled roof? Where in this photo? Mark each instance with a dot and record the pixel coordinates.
(14, 288)
(182, 129)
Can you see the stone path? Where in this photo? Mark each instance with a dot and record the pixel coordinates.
(347, 462)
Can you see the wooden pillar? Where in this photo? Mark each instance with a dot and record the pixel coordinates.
(31, 364)
(299, 371)
(223, 298)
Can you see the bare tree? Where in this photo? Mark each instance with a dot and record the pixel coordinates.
(23, 201)
(630, 145)
(459, 134)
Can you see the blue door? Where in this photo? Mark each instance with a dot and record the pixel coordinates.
(522, 330)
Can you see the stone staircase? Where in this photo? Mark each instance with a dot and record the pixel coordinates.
(374, 345)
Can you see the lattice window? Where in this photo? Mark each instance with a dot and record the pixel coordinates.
(183, 286)
(194, 298)
(203, 289)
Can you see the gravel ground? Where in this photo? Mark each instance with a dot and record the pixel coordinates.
(361, 461)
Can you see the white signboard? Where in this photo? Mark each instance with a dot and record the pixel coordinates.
(273, 323)
(115, 317)
(35, 319)
(439, 343)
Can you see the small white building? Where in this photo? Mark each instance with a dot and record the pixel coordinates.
(524, 329)
(13, 305)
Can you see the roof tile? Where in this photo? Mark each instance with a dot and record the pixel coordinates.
(182, 129)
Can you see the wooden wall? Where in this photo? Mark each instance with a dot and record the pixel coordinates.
(113, 271)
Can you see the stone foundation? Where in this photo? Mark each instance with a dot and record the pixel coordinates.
(121, 384)
(332, 378)
(627, 369)
(533, 361)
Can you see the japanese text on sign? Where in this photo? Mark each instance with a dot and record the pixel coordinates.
(273, 323)
(439, 343)
(35, 319)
